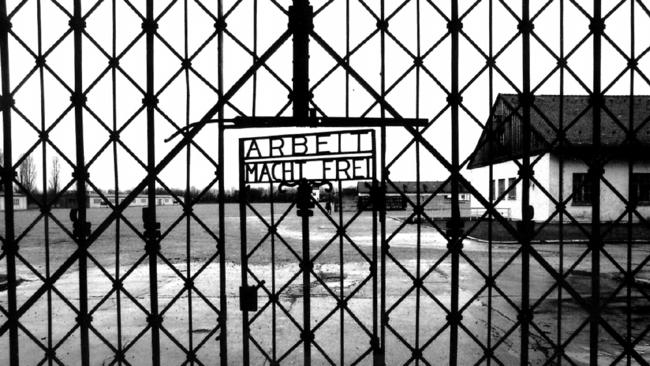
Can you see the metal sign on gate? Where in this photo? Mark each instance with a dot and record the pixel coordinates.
(325, 156)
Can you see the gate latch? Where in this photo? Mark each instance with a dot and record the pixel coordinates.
(248, 297)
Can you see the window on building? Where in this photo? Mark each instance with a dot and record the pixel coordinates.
(97, 201)
(16, 201)
(502, 186)
(512, 194)
(582, 189)
(641, 189)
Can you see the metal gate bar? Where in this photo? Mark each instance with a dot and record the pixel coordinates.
(525, 229)
(9, 246)
(151, 226)
(454, 226)
(595, 172)
(81, 225)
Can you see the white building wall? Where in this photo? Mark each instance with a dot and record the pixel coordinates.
(611, 207)
(512, 207)
(96, 201)
(20, 203)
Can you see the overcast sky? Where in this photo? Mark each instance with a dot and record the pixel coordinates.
(332, 96)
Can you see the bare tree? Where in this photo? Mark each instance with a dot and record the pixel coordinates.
(55, 176)
(27, 174)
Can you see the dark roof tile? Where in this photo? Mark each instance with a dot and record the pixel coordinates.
(574, 113)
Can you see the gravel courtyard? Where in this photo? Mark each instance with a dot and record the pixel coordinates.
(414, 315)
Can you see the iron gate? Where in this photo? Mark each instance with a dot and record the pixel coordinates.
(279, 292)
(100, 84)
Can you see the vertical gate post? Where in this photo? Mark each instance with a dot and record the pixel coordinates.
(454, 226)
(243, 198)
(597, 27)
(223, 301)
(384, 318)
(81, 228)
(525, 101)
(304, 204)
(377, 207)
(9, 247)
(300, 24)
(149, 101)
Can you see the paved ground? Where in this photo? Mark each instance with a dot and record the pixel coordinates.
(405, 320)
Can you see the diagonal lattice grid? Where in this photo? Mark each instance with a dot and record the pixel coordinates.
(95, 89)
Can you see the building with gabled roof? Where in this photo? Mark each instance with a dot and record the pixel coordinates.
(561, 164)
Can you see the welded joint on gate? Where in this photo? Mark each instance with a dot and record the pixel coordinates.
(307, 335)
(220, 25)
(525, 316)
(155, 320)
(526, 26)
(80, 174)
(84, 319)
(382, 25)
(525, 229)
(117, 284)
(454, 99)
(149, 26)
(596, 243)
(526, 171)
(191, 356)
(10, 247)
(306, 265)
(455, 26)
(77, 23)
(5, 24)
(150, 100)
(455, 245)
(50, 354)
(418, 210)
(597, 26)
(454, 318)
(7, 174)
(6, 102)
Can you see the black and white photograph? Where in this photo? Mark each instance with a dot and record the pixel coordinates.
(324, 182)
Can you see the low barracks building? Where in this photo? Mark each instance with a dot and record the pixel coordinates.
(20, 201)
(563, 167)
(399, 193)
(94, 200)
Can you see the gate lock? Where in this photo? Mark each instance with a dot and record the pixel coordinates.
(248, 297)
